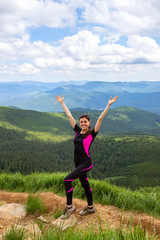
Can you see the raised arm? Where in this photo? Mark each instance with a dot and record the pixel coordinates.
(66, 110)
(103, 114)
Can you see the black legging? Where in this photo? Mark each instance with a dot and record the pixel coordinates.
(81, 173)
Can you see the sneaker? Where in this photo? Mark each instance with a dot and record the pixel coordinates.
(67, 212)
(87, 210)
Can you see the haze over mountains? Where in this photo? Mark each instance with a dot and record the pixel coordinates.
(41, 96)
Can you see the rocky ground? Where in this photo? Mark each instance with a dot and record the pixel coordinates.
(105, 215)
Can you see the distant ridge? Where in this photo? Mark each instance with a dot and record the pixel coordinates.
(14, 107)
(41, 96)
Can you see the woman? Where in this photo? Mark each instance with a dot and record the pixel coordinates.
(84, 137)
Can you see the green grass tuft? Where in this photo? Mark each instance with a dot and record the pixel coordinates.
(35, 205)
(15, 233)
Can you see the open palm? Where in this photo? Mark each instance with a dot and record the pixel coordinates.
(59, 99)
(112, 100)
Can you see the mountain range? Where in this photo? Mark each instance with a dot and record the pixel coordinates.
(94, 95)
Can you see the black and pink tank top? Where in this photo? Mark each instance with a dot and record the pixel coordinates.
(82, 145)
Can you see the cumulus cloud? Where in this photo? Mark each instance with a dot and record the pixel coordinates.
(84, 50)
(17, 16)
(80, 51)
(125, 17)
(27, 69)
(95, 47)
(22, 69)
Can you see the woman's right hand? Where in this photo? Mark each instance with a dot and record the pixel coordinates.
(59, 99)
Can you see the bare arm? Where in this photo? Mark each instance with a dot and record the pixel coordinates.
(66, 110)
(103, 114)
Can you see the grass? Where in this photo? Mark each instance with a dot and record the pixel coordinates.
(15, 233)
(35, 205)
(57, 213)
(147, 201)
(107, 234)
(130, 232)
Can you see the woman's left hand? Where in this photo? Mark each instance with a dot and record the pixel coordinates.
(112, 100)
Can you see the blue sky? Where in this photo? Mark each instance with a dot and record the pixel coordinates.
(47, 40)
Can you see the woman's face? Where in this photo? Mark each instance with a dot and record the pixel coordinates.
(84, 123)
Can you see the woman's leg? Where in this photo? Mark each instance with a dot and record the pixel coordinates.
(77, 173)
(87, 188)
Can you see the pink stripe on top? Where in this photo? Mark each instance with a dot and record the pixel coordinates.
(86, 144)
(76, 134)
(70, 190)
(69, 180)
(87, 168)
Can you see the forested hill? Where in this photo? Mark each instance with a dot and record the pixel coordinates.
(35, 141)
(122, 120)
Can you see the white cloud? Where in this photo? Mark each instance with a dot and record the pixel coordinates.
(112, 38)
(97, 12)
(27, 69)
(17, 16)
(80, 51)
(22, 69)
(125, 17)
(144, 43)
(146, 47)
(84, 51)
(98, 48)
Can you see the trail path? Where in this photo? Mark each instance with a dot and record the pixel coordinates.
(106, 214)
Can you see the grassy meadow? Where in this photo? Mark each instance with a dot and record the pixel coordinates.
(134, 232)
(145, 200)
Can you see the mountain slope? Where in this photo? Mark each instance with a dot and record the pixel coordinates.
(39, 141)
(118, 120)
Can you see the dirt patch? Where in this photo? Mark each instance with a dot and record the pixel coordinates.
(105, 215)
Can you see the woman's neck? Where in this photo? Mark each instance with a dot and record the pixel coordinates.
(84, 131)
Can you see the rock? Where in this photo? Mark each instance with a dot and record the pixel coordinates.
(2, 202)
(65, 223)
(12, 210)
(33, 230)
(42, 219)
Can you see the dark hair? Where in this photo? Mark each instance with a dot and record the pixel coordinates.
(85, 116)
(88, 118)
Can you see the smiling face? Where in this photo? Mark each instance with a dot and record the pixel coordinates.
(84, 124)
